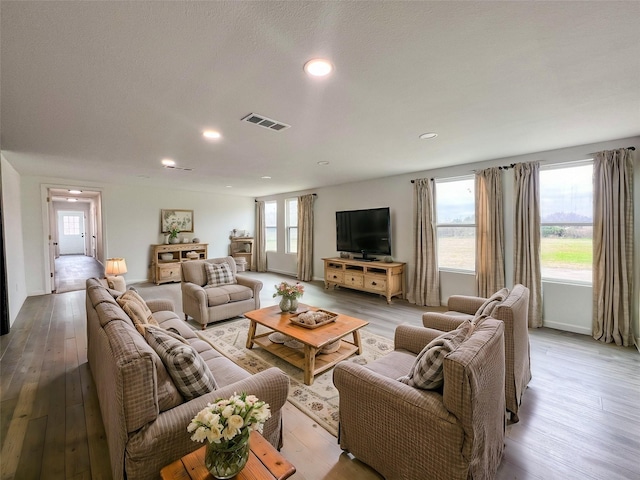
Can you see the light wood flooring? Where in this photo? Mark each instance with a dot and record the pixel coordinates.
(580, 417)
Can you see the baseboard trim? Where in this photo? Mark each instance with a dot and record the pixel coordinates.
(282, 272)
(567, 327)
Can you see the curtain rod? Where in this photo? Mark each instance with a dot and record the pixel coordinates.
(507, 167)
(314, 194)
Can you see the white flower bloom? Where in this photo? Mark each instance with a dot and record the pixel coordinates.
(235, 422)
(199, 435)
(227, 411)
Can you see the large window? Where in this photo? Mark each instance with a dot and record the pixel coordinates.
(291, 224)
(456, 223)
(271, 226)
(566, 220)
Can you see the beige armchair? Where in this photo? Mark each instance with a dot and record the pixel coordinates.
(406, 433)
(514, 312)
(207, 304)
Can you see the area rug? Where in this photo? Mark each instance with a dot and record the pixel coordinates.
(319, 400)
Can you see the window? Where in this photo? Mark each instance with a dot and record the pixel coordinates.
(566, 222)
(271, 226)
(70, 225)
(456, 223)
(291, 224)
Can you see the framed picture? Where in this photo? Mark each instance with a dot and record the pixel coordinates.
(182, 218)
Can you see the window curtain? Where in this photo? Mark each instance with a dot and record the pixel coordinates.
(425, 284)
(527, 236)
(261, 244)
(489, 232)
(305, 237)
(613, 246)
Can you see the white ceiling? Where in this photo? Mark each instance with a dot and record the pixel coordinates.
(102, 91)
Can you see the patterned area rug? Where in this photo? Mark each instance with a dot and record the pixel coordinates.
(320, 400)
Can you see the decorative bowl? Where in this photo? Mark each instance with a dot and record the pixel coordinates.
(166, 256)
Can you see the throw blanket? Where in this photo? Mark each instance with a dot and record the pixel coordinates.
(486, 309)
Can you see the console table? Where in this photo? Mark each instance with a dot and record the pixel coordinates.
(166, 260)
(385, 278)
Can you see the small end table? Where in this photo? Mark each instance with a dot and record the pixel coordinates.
(265, 463)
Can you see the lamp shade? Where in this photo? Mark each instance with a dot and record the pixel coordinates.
(115, 266)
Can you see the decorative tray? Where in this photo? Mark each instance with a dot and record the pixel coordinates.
(324, 317)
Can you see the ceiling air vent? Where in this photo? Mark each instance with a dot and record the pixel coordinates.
(265, 122)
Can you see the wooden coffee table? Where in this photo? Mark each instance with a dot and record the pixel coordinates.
(265, 463)
(307, 358)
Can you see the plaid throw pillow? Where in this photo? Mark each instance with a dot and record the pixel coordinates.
(187, 369)
(218, 274)
(136, 308)
(427, 372)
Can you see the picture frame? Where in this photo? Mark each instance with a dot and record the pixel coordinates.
(184, 219)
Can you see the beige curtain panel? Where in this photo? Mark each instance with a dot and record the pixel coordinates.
(425, 284)
(489, 232)
(305, 237)
(613, 246)
(260, 253)
(526, 256)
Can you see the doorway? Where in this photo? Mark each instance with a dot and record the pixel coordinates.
(75, 238)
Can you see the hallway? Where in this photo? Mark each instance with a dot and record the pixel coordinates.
(73, 270)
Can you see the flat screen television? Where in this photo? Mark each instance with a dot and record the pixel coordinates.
(364, 231)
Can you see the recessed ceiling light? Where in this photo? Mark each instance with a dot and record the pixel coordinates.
(75, 192)
(323, 163)
(318, 67)
(266, 177)
(167, 162)
(228, 186)
(426, 136)
(211, 134)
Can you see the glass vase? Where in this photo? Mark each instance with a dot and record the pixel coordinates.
(225, 459)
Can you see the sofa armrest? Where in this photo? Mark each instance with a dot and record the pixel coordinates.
(161, 305)
(194, 291)
(441, 321)
(412, 338)
(465, 303)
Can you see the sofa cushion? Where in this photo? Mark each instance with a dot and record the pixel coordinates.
(218, 274)
(98, 294)
(427, 372)
(238, 293)
(188, 370)
(136, 308)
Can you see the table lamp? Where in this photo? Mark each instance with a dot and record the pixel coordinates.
(115, 266)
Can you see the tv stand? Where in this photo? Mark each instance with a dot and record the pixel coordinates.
(384, 278)
(365, 259)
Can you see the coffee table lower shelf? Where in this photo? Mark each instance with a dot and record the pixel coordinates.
(316, 363)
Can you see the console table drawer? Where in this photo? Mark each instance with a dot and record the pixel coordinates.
(375, 283)
(333, 275)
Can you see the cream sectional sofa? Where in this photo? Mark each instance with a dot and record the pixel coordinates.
(144, 415)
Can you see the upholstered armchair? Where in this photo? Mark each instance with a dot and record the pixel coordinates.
(407, 433)
(514, 312)
(215, 292)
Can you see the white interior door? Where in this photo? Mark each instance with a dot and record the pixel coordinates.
(71, 233)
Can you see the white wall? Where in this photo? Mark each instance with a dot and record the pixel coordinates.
(131, 219)
(16, 285)
(566, 306)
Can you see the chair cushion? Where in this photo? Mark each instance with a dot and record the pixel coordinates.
(186, 367)
(427, 372)
(218, 274)
(136, 308)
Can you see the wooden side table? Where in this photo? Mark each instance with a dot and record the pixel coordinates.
(265, 463)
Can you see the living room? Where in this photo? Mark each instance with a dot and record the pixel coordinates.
(221, 191)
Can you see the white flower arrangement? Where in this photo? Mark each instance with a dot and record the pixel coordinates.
(222, 420)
